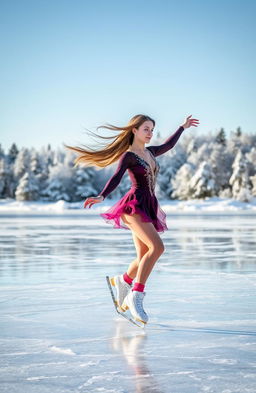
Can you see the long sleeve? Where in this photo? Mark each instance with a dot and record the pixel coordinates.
(168, 144)
(117, 176)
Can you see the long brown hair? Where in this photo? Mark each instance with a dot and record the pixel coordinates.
(113, 150)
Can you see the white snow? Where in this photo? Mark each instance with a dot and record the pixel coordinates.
(214, 204)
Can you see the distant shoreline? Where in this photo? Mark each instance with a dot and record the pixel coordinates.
(214, 205)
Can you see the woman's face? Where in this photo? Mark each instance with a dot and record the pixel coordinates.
(145, 131)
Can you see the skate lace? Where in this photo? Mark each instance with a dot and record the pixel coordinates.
(139, 304)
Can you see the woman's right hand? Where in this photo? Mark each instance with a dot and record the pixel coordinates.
(190, 122)
(91, 200)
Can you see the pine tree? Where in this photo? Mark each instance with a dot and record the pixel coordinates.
(203, 183)
(221, 137)
(181, 182)
(12, 154)
(253, 180)
(2, 177)
(239, 180)
(221, 166)
(21, 163)
(2, 155)
(27, 189)
(59, 183)
(238, 132)
(83, 183)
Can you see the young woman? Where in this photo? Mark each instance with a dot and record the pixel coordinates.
(138, 210)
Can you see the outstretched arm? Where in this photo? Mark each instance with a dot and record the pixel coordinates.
(117, 176)
(168, 144)
(173, 139)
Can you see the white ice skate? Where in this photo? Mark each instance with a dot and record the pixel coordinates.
(122, 289)
(134, 302)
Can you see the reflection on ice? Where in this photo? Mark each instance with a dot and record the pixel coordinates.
(131, 347)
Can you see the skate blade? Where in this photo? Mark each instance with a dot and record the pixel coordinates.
(115, 301)
(125, 307)
(131, 319)
(140, 320)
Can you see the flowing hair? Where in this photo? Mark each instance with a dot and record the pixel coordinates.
(110, 153)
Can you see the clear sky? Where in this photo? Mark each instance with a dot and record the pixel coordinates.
(70, 65)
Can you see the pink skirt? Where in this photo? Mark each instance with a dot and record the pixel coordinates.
(140, 202)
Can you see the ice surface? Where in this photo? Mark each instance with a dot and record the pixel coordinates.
(58, 328)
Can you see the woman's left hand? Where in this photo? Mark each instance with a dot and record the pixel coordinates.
(190, 122)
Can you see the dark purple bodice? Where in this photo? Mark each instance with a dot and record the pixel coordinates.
(143, 178)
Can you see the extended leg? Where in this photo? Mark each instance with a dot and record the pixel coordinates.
(147, 235)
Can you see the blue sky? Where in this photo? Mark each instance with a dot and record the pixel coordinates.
(70, 65)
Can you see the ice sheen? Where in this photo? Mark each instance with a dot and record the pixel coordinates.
(58, 328)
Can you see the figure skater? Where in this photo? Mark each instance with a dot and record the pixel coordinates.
(138, 210)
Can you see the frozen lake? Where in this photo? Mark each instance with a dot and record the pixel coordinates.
(58, 328)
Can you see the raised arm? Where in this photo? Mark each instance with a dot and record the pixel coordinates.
(173, 139)
(168, 144)
(117, 176)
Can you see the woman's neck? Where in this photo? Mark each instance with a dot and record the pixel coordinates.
(138, 148)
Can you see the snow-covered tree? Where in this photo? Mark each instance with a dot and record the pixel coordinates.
(2, 176)
(47, 156)
(2, 155)
(202, 183)
(59, 184)
(12, 154)
(251, 161)
(221, 137)
(169, 165)
(83, 183)
(35, 163)
(181, 182)
(199, 165)
(253, 180)
(238, 132)
(239, 180)
(27, 189)
(201, 154)
(21, 164)
(235, 142)
(221, 166)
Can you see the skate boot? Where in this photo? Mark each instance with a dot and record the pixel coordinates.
(133, 301)
(122, 289)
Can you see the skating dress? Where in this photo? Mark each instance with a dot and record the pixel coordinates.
(141, 197)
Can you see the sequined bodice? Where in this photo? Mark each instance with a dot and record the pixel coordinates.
(142, 175)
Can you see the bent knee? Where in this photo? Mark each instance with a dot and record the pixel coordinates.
(157, 247)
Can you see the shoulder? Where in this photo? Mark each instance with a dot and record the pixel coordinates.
(127, 155)
(126, 158)
(151, 149)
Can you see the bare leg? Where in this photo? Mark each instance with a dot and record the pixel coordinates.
(147, 234)
(141, 250)
(132, 269)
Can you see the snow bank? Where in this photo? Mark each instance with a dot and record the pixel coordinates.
(214, 204)
(9, 205)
